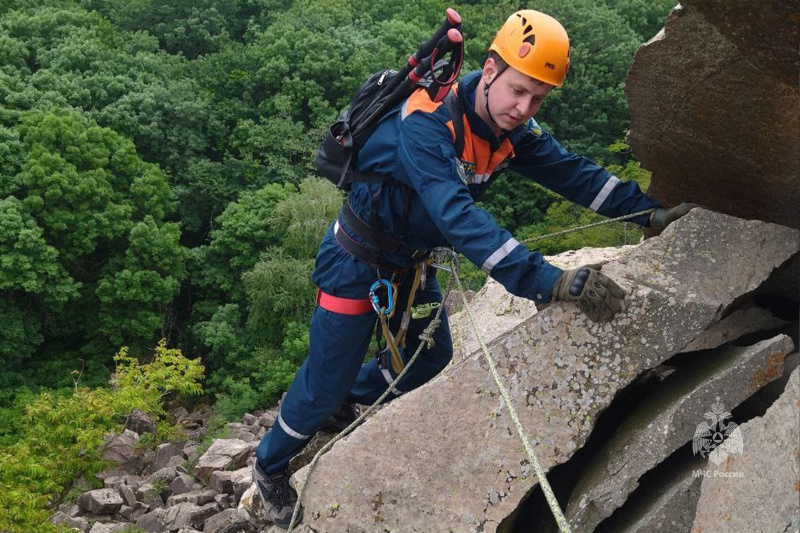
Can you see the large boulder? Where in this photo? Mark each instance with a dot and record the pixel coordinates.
(121, 448)
(154, 521)
(223, 454)
(232, 482)
(188, 514)
(667, 420)
(713, 101)
(169, 455)
(447, 455)
(140, 422)
(734, 492)
(101, 501)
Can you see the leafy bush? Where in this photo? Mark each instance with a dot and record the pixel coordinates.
(63, 435)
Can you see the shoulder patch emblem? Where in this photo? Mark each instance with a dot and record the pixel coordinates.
(533, 127)
(466, 171)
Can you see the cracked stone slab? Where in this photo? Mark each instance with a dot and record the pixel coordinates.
(666, 507)
(666, 420)
(765, 497)
(735, 325)
(433, 459)
(498, 311)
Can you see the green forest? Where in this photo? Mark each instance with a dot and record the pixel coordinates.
(160, 213)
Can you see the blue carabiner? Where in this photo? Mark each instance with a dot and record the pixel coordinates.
(391, 294)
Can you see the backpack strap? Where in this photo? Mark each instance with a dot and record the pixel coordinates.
(453, 103)
(371, 232)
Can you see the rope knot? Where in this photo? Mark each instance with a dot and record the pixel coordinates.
(427, 334)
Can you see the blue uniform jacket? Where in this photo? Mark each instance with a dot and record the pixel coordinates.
(414, 143)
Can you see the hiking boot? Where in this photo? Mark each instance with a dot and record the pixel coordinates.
(277, 496)
(345, 415)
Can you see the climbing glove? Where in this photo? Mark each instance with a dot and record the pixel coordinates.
(596, 295)
(661, 218)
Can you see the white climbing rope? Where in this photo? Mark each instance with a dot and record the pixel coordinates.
(427, 338)
(563, 526)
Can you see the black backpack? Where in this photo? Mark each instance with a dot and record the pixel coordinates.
(337, 156)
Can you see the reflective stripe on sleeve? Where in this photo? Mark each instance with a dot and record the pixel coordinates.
(499, 254)
(289, 431)
(388, 377)
(604, 192)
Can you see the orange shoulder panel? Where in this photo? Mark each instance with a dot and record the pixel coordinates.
(420, 101)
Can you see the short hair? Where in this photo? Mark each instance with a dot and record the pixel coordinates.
(499, 61)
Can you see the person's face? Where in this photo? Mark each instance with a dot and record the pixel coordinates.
(513, 96)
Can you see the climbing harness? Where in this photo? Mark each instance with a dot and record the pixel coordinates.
(427, 340)
(385, 305)
(343, 306)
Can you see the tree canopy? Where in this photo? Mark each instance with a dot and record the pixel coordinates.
(156, 177)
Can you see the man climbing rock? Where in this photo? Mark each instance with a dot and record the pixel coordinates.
(387, 228)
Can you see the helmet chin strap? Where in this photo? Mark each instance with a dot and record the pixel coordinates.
(486, 97)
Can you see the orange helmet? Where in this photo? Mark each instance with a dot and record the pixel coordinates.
(535, 44)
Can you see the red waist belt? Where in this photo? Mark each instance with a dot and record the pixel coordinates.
(343, 306)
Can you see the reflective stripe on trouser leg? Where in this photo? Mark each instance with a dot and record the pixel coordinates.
(372, 381)
(337, 348)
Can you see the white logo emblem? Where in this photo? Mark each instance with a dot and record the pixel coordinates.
(717, 438)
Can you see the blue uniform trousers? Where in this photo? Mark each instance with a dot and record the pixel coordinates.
(334, 372)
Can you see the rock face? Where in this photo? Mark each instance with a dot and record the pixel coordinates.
(667, 420)
(713, 103)
(770, 472)
(497, 310)
(469, 473)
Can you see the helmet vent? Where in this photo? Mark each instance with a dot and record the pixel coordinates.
(528, 29)
(531, 40)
